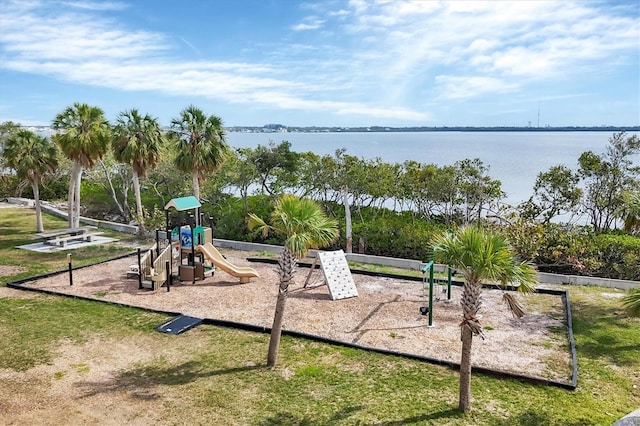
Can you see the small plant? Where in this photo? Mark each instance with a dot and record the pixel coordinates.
(309, 371)
(488, 327)
(81, 368)
(59, 375)
(100, 294)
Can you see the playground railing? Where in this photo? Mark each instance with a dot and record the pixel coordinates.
(146, 262)
(160, 261)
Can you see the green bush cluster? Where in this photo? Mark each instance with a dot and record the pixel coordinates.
(397, 236)
(556, 248)
(577, 250)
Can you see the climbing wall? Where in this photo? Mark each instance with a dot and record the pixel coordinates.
(337, 275)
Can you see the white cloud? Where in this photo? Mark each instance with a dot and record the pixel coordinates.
(456, 87)
(95, 5)
(372, 60)
(309, 23)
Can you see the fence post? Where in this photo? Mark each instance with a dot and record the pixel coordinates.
(70, 269)
(139, 271)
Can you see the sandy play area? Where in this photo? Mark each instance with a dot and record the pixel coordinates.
(386, 313)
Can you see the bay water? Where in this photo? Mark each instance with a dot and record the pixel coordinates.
(514, 158)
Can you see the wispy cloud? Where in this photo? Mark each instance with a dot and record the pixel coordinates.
(310, 23)
(370, 58)
(95, 5)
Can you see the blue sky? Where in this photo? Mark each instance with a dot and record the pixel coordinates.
(342, 63)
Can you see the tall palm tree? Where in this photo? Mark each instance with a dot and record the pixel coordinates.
(304, 225)
(138, 141)
(201, 143)
(483, 255)
(31, 156)
(83, 135)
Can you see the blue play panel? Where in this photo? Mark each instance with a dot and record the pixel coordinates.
(179, 324)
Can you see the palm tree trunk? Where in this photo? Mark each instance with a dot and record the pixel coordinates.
(70, 195)
(276, 329)
(36, 197)
(471, 302)
(285, 264)
(347, 215)
(76, 199)
(464, 403)
(196, 185)
(136, 190)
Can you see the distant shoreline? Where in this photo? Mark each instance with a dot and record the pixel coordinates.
(429, 129)
(270, 128)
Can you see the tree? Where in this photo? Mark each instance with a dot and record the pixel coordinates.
(606, 177)
(138, 141)
(304, 226)
(476, 188)
(277, 166)
(555, 192)
(109, 177)
(630, 211)
(201, 144)
(240, 172)
(31, 156)
(83, 135)
(7, 128)
(481, 254)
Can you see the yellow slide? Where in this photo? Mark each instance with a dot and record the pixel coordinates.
(214, 256)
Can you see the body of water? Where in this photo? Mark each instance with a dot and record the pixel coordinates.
(515, 158)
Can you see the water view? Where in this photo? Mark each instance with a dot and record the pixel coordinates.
(515, 158)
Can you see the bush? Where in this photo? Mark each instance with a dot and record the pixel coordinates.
(573, 250)
(619, 256)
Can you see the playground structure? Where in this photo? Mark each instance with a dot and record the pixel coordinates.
(212, 254)
(428, 268)
(336, 275)
(183, 250)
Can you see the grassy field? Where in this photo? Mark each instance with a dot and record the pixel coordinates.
(85, 361)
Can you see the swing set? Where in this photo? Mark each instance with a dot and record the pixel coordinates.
(428, 277)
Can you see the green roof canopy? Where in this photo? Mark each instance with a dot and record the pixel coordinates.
(184, 203)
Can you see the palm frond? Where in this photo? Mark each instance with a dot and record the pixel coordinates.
(484, 255)
(301, 221)
(631, 303)
(514, 305)
(256, 223)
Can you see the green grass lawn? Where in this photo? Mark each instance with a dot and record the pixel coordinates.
(18, 227)
(212, 375)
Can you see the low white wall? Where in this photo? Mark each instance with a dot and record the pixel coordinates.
(416, 265)
(545, 277)
(120, 227)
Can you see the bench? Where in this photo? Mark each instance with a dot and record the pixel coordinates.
(63, 239)
(67, 231)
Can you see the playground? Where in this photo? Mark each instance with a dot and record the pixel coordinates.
(96, 363)
(183, 273)
(385, 315)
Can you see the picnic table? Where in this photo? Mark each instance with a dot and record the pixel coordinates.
(60, 237)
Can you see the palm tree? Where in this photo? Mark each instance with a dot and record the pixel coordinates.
(304, 225)
(83, 135)
(630, 211)
(31, 156)
(483, 255)
(201, 144)
(138, 141)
